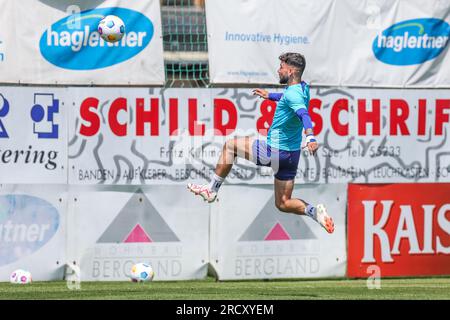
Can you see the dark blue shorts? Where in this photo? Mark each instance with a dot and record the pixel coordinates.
(284, 163)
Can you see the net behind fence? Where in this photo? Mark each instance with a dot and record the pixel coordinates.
(185, 43)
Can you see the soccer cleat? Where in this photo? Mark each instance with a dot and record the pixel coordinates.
(324, 219)
(203, 191)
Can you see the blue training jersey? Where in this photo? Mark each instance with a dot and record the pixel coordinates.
(285, 133)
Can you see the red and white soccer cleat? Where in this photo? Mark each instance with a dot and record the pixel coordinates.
(324, 219)
(203, 191)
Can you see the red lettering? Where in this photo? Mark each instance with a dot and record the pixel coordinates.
(365, 117)
(221, 105)
(338, 127)
(89, 116)
(441, 117)
(195, 129)
(422, 118)
(173, 116)
(117, 128)
(399, 120)
(316, 118)
(151, 116)
(267, 112)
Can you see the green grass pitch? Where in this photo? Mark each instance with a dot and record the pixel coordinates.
(405, 288)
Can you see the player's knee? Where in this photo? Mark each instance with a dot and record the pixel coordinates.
(281, 205)
(230, 145)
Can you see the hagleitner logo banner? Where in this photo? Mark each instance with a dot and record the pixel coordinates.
(399, 43)
(81, 48)
(27, 223)
(63, 40)
(412, 42)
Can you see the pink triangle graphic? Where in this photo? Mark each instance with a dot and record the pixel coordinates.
(138, 234)
(277, 233)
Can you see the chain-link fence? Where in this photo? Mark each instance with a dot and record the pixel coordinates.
(185, 43)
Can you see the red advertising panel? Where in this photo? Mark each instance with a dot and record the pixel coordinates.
(404, 229)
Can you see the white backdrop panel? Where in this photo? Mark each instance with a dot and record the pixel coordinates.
(366, 43)
(33, 135)
(56, 42)
(111, 228)
(33, 230)
(128, 136)
(251, 239)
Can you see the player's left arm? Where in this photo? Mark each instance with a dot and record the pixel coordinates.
(298, 104)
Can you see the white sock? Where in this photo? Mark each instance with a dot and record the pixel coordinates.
(311, 211)
(215, 183)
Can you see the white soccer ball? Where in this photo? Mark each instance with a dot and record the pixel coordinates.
(141, 272)
(111, 28)
(20, 276)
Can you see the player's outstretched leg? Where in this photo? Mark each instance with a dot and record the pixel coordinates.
(285, 203)
(324, 219)
(204, 191)
(237, 147)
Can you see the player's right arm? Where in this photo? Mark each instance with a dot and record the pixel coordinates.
(261, 93)
(274, 96)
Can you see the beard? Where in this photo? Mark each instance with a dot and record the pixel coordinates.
(284, 79)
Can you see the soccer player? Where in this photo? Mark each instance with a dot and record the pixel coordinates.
(282, 150)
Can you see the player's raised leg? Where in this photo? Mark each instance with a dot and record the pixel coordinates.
(237, 147)
(285, 203)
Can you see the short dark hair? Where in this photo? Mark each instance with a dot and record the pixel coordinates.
(294, 59)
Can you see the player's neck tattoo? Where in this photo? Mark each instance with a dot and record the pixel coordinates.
(293, 80)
